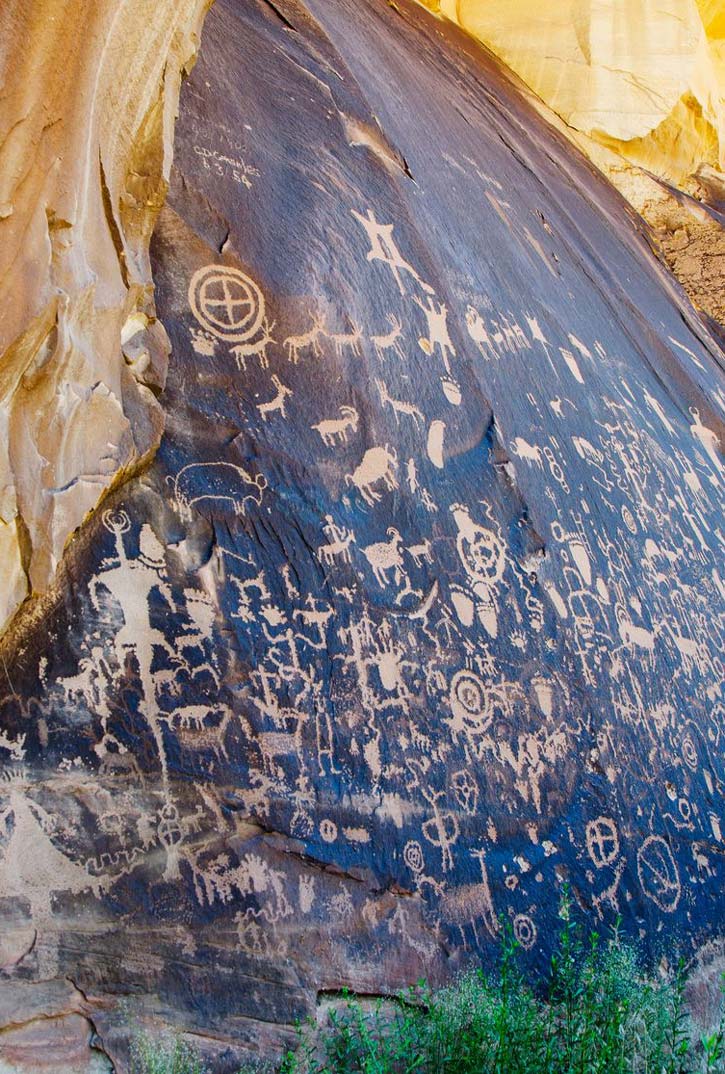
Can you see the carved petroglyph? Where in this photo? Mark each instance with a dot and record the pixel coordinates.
(434, 445)
(312, 657)
(338, 546)
(31, 866)
(256, 349)
(216, 482)
(658, 874)
(385, 556)
(398, 406)
(306, 341)
(226, 303)
(377, 467)
(347, 341)
(383, 248)
(336, 430)
(602, 841)
(389, 342)
(278, 404)
(436, 315)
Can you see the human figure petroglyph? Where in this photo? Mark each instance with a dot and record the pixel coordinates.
(335, 430)
(442, 829)
(389, 341)
(338, 545)
(378, 466)
(384, 556)
(427, 500)
(131, 583)
(465, 790)
(383, 248)
(256, 349)
(210, 482)
(398, 406)
(278, 403)
(310, 340)
(438, 336)
(411, 471)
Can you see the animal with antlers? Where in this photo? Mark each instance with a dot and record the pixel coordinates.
(345, 340)
(389, 341)
(256, 349)
(398, 406)
(295, 345)
(278, 403)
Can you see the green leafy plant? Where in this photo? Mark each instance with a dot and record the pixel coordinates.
(166, 1055)
(596, 1013)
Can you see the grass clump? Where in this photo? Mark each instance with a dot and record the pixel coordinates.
(168, 1055)
(596, 1013)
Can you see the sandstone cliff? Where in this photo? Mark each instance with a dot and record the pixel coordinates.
(89, 96)
(414, 614)
(640, 87)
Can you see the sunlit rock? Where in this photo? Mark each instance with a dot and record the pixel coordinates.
(89, 98)
(415, 614)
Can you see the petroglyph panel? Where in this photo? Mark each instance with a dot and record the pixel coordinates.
(418, 611)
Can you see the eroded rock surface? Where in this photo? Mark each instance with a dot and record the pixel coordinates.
(643, 79)
(641, 89)
(89, 98)
(418, 611)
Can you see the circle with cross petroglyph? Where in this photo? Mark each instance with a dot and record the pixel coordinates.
(658, 874)
(226, 303)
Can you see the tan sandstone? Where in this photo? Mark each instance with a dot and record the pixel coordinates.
(90, 91)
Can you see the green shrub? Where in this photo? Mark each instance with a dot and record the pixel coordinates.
(597, 1013)
(167, 1055)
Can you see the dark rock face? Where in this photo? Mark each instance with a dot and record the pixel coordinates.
(417, 614)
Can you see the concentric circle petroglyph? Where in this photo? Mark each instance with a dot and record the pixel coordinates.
(226, 303)
(468, 702)
(524, 931)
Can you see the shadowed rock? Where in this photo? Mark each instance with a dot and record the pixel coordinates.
(417, 612)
